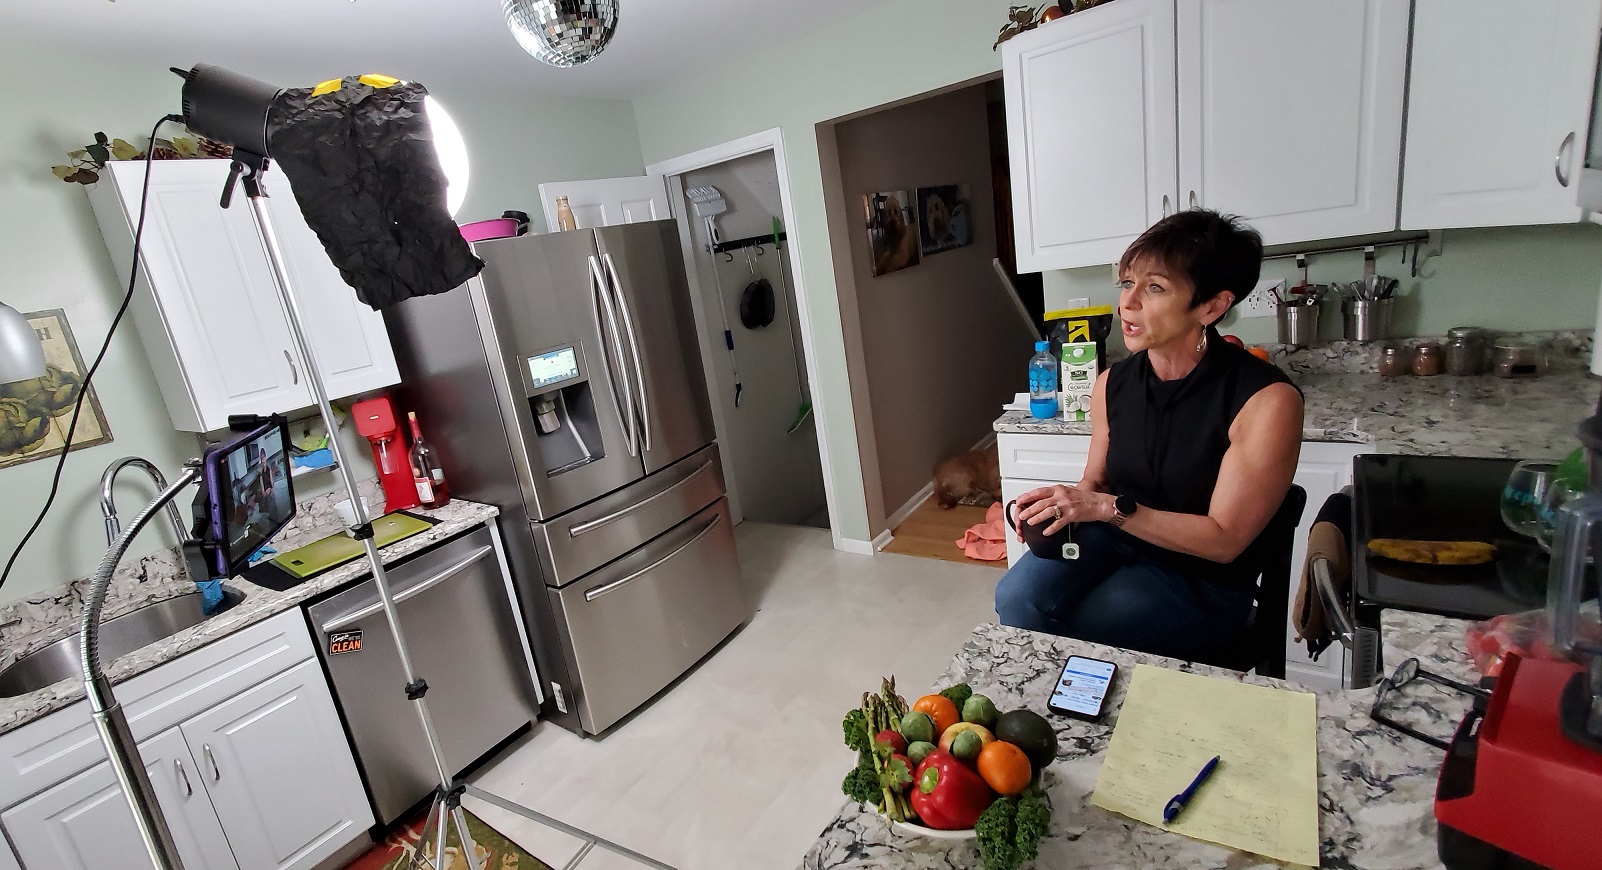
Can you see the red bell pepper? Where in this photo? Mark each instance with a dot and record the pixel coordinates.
(946, 795)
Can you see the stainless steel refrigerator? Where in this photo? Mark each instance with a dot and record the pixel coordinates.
(564, 385)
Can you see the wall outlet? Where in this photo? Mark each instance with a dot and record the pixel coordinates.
(1260, 302)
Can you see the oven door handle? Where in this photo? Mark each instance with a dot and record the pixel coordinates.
(341, 622)
(597, 592)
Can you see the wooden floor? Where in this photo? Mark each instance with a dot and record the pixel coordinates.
(932, 533)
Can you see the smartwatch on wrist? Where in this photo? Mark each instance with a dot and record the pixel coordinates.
(1124, 507)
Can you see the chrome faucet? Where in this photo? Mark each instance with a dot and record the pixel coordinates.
(108, 507)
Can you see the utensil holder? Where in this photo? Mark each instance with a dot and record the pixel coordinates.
(1367, 321)
(1298, 324)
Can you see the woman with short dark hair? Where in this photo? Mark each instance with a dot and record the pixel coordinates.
(1193, 445)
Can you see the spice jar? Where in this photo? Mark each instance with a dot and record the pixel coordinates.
(1466, 350)
(1395, 360)
(1427, 359)
(1515, 358)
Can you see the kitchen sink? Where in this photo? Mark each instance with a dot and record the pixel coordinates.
(126, 633)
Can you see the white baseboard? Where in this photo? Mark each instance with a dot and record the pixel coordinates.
(918, 498)
(854, 545)
(883, 540)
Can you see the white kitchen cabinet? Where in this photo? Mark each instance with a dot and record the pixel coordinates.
(1030, 461)
(1091, 131)
(1290, 114)
(206, 307)
(1499, 102)
(280, 773)
(85, 823)
(1287, 114)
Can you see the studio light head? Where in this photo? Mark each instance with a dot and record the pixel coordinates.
(228, 107)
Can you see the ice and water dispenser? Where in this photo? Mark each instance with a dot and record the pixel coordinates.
(563, 407)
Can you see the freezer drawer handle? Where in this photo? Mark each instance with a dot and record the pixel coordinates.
(441, 577)
(609, 519)
(597, 592)
(634, 349)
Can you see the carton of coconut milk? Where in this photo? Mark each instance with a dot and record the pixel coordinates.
(1078, 378)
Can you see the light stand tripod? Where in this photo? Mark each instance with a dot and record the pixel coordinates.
(249, 169)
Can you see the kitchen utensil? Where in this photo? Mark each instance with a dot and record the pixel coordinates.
(1522, 496)
(1298, 323)
(1515, 358)
(495, 228)
(1366, 319)
(804, 409)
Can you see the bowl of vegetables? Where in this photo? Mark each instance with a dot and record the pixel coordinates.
(950, 766)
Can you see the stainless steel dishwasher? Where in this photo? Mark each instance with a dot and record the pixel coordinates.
(466, 641)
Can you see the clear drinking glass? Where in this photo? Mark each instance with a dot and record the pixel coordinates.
(1558, 493)
(1522, 495)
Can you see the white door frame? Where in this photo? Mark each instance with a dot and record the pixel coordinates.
(671, 169)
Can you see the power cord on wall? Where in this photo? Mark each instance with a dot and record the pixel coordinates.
(83, 388)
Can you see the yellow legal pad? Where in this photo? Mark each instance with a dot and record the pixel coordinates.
(1263, 798)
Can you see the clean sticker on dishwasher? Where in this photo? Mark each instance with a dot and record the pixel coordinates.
(345, 642)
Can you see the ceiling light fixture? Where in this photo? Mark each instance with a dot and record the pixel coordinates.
(562, 33)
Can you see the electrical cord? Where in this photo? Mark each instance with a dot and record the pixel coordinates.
(83, 388)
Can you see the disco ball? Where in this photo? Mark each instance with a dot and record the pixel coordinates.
(562, 33)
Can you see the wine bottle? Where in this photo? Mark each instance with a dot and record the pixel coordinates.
(432, 489)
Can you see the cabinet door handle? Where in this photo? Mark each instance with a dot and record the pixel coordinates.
(1567, 147)
(183, 777)
(1165, 205)
(1193, 199)
(293, 372)
(216, 773)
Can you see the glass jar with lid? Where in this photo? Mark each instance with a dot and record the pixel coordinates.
(1516, 358)
(1395, 360)
(1427, 359)
(1467, 351)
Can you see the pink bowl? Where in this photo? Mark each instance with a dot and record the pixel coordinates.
(498, 228)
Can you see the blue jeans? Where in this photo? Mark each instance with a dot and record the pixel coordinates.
(1114, 594)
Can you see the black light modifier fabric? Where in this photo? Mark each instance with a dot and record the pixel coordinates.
(362, 163)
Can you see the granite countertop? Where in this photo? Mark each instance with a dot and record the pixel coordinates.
(1376, 787)
(1462, 416)
(43, 619)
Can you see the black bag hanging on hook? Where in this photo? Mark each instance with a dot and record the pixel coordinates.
(362, 165)
(756, 304)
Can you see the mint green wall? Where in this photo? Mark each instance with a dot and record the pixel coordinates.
(1503, 278)
(893, 50)
(52, 256)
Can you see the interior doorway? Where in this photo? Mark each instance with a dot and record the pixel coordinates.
(734, 212)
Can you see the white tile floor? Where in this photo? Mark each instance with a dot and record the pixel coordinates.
(738, 765)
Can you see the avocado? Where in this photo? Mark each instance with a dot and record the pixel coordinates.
(1030, 732)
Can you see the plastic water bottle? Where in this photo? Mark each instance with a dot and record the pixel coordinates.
(1043, 383)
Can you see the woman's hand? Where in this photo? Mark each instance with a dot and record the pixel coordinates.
(1060, 505)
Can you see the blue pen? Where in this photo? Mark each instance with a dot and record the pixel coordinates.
(1179, 801)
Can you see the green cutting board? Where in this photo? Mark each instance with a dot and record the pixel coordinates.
(339, 548)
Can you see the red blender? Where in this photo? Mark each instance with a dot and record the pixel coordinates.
(1522, 781)
(375, 420)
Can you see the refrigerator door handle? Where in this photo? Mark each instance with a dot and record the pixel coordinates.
(597, 592)
(608, 317)
(634, 349)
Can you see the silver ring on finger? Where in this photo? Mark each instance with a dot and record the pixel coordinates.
(1056, 512)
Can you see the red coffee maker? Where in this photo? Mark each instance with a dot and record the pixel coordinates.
(376, 421)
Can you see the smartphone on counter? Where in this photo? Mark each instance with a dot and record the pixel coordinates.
(1082, 687)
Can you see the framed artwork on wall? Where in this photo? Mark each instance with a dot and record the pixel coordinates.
(34, 414)
(892, 230)
(944, 218)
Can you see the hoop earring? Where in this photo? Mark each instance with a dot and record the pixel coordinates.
(1201, 346)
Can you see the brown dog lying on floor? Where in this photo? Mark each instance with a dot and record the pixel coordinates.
(969, 476)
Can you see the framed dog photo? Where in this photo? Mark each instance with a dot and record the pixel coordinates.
(945, 220)
(892, 230)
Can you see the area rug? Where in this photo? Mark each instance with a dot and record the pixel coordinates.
(495, 851)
